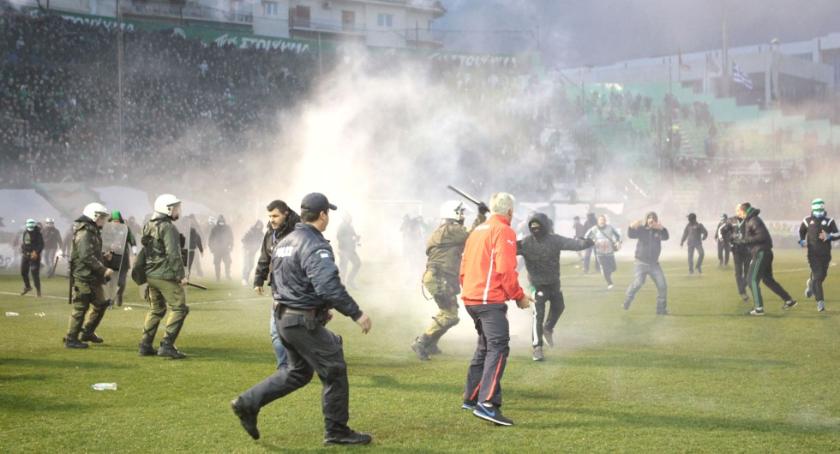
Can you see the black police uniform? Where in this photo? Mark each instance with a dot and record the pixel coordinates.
(306, 284)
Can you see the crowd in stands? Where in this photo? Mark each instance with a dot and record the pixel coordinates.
(74, 108)
(183, 102)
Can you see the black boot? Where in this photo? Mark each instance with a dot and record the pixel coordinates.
(92, 337)
(72, 342)
(349, 438)
(168, 350)
(419, 347)
(247, 418)
(146, 350)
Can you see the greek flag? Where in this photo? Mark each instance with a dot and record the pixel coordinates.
(741, 78)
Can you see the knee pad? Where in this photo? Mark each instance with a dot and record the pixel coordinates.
(446, 322)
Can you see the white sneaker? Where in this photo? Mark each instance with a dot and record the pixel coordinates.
(610, 287)
(538, 354)
(808, 292)
(821, 306)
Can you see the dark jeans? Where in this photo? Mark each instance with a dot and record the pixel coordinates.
(27, 266)
(311, 348)
(608, 266)
(484, 376)
(700, 254)
(742, 270)
(761, 270)
(723, 253)
(552, 295)
(819, 271)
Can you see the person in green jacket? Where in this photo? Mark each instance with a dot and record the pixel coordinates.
(89, 274)
(165, 275)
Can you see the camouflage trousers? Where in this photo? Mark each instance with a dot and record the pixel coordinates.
(88, 300)
(445, 292)
(160, 294)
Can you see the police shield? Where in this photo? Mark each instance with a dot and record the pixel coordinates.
(115, 257)
(187, 242)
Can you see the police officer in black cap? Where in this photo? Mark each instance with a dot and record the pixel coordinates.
(306, 285)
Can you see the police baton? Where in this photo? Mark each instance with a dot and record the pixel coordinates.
(464, 195)
(198, 286)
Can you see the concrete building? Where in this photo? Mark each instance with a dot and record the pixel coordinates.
(377, 23)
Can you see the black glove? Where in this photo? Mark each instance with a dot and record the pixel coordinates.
(482, 209)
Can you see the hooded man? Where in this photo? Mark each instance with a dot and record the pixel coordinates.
(31, 246)
(541, 251)
(607, 241)
(722, 243)
(221, 245)
(756, 238)
(695, 233)
(650, 233)
(816, 232)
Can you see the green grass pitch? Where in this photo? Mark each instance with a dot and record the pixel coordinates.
(706, 378)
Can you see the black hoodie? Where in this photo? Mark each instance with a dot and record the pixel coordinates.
(695, 233)
(271, 238)
(542, 252)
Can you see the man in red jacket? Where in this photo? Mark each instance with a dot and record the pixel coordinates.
(489, 279)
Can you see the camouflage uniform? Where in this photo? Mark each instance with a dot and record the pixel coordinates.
(443, 249)
(164, 272)
(88, 280)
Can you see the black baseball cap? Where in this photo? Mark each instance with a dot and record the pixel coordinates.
(316, 202)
